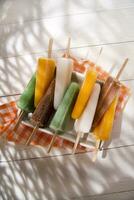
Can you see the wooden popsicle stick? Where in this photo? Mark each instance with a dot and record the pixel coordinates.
(50, 48)
(98, 56)
(99, 146)
(20, 117)
(68, 47)
(52, 143)
(32, 135)
(96, 63)
(121, 69)
(77, 142)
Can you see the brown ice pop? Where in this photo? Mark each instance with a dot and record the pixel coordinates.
(109, 90)
(43, 111)
(114, 90)
(45, 108)
(104, 91)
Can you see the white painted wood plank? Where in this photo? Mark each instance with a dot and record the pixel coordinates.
(7, 99)
(68, 177)
(13, 11)
(77, 178)
(12, 152)
(15, 72)
(87, 29)
(116, 196)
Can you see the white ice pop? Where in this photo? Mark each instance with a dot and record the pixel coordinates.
(84, 122)
(63, 78)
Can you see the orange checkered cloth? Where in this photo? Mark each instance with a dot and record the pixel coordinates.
(8, 117)
(8, 113)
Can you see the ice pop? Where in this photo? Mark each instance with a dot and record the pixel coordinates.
(64, 111)
(26, 101)
(114, 90)
(84, 123)
(104, 91)
(64, 67)
(65, 108)
(104, 128)
(85, 92)
(43, 110)
(44, 75)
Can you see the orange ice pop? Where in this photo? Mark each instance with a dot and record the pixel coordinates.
(44, 75)
(85, 92)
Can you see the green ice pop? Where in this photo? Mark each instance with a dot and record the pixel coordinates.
(65, 108)
(26, 101)
(63, 112)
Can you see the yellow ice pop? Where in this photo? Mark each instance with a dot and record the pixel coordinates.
(44, 75)
(85, 92)
(104, 128)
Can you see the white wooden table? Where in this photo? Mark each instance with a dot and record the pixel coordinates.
(25, 27)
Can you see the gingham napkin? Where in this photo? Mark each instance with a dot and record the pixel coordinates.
(8, 117)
